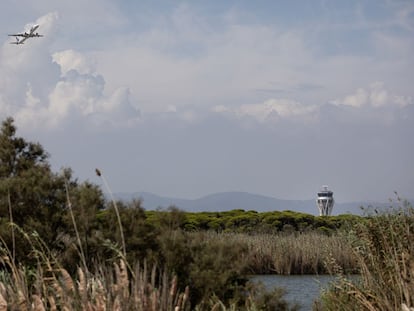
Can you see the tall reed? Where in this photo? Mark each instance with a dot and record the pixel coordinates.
(99, 174)
(384, 249)
(305, 253)
(51, 287)
(115, 287)
(13, 254)
(48, 286)
(69, 203)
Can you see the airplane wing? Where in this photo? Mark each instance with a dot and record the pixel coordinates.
(26, 34)
(19, 41)
(18, 35)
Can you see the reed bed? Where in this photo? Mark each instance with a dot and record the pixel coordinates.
(305, 253)
(49, 286)
(118, 286)
(115, 288)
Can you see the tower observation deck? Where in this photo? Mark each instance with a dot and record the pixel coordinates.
(325, 201)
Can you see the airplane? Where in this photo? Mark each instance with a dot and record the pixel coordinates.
(26, 35)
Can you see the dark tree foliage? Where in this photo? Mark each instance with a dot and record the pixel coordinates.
(38, 200)
(267, 222)
(72, 219)
(30, 194)
(216, 268)
(16, 155)
(140, 235)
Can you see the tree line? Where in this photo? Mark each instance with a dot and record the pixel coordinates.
(242, 221)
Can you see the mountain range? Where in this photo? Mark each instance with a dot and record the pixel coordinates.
(225, 201)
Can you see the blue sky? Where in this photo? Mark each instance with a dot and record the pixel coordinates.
(188, 98)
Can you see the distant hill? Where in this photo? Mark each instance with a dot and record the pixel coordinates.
(225, 201)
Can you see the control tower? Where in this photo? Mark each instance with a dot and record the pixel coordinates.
(325, 201)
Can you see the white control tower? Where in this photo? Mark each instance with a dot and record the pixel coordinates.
(325, 201)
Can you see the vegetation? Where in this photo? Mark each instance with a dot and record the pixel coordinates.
(384, 251)
(63, 246)
(292, 253)
(242, 221)
(118, 287)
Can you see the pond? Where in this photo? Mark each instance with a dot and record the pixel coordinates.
(301, 289)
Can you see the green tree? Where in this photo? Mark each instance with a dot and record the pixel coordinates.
(30, 194)
(39, 200)
(141, 235)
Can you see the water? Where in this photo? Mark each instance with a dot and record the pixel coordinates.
(301, 289)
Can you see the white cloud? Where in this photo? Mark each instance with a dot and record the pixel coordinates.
(374, 104)
(375, 96)
(74, 88)
(81, 95)
(378, 96)
(220, 109)
(209, 87)
(41, 89)
(26, 69)
(271, 110)
(360, 98)
(183, 59)
(70, 59)
(197, 64)
(284, 108)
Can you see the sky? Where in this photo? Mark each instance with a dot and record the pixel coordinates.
(190, 98)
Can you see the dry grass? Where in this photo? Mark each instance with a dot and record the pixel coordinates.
(121, 229)
(112, 289)
(306, 253)
(48, 286)
(385, 253)
(118, 287)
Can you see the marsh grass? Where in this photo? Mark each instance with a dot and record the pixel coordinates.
(51, 287)
(46, 285)
(384, 249)
(294, 253)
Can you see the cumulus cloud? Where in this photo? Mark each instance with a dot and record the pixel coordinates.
(40, 88)
(230, 103)
(375, 96)
(73, 60)
(80, 95)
